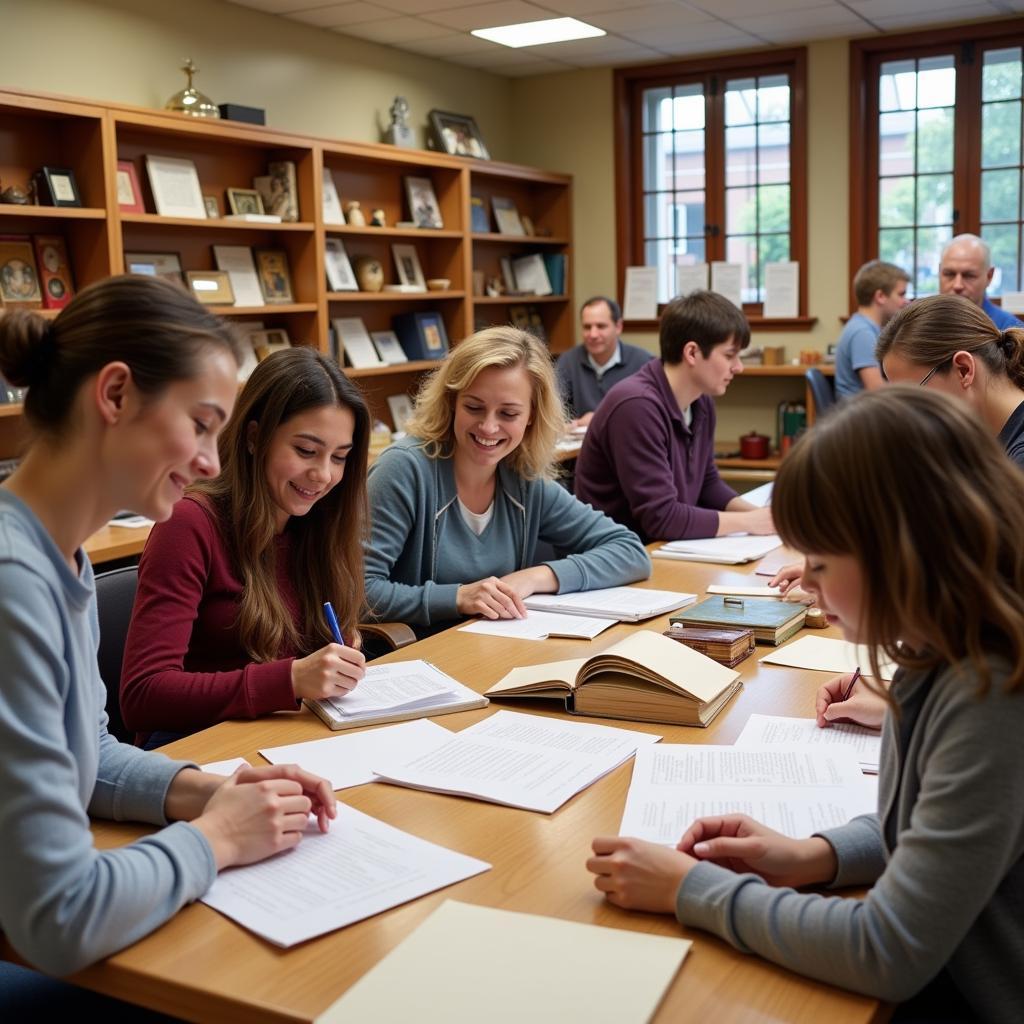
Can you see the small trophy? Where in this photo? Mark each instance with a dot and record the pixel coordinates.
(190, 100)
(399, 133)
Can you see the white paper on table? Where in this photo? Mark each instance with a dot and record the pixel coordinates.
(823, 654)
(228, 767)
(617, 603)
(541, 625)
(360, 868)
(457, 960)
(782, 289)
(345, 760)
(521, 760)
(132, 522)
(727, 280)
(691, 277)
(731, 549)
(238, 262)
(401, 684)
(794, 792)
(772, 731)
(760, 496)
(641, 298)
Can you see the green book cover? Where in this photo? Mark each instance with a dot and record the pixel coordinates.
(740, 612)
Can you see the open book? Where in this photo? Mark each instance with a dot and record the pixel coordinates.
(645, 678)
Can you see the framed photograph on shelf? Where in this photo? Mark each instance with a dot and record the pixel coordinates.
(456, 134)
(424, 211)
(340, 276)
(506, 216)
(211, 287)
(238, 262)
(245, 200)
(422, 335)
(401, 408)
(389, 348)
(266, 343)
(275, 278)
(212, 207)
(175, 187)
(508, 278)
(129, 193)
(55, 280)
(279, 190)
(407, 264)
(156, 264)
(519, 317)
(333, 213)
(55, 186)
(354, 341)
(19, 279)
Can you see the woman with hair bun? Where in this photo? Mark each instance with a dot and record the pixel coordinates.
(127, 391)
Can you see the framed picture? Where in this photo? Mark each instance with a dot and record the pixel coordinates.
(456, 134)
(175, 187)
(340, 277)
(407, 263)
(129, 194)
(279, 190)
(237, 261)
(423, 208)
(519, 317)
(333, 213)
(245, 200)
(422, 335)
(354, 341)
(19, 280)
(55, 186)
(275, 278)
(55, 280)
(212, 207)
(507, 216)
(401, 410)
(211, 287)
(389, 348)
(156, 264)
(266, 343)
(508, 279)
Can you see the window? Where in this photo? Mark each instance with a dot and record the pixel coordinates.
(712, 167)
(936, 149)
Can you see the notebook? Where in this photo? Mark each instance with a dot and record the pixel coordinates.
(772, 621)
(645, 678)
(729, 550)
(627, 604)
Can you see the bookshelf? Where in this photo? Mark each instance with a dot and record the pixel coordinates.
(90, 138)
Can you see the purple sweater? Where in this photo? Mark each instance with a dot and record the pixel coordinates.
(642, 466)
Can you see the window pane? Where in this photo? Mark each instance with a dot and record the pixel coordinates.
(1001, 75)
(740, 156)
(658, 215)
(773, 153)
(689, 107)
(1004, 239)
(771, 249)
(936, 82)
(773, 208)
(896, 245)
(656, 105)
(929, 247)
(896, 202)
(773, 98)
(1000, 195)
(657, 150)
(743, 250)
(688, 214)
(897, 85)
(935, 199)
(935, 139)
(689, 159)
(1000, 134)
(740, 211)
(896, 141)
(658, 254)
(740, 101)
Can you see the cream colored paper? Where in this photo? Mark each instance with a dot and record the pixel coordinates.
(823, 654)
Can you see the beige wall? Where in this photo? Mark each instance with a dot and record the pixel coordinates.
(307, 79)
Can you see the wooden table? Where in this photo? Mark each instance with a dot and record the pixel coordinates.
(110, 543)
(201, 966)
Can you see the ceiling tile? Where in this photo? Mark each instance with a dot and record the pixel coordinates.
(581, 47)
(585, 9)
(504, 12)
(394, 31)
(903, 20)
(342, 14)
(683, 41)
(285, 7)
(876, 10)
(739, 11)
(636, 54)
(649, 16)
(428, 6)
(837, 20)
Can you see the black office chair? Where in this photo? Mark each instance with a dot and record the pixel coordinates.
(115, 595)
(821, 391)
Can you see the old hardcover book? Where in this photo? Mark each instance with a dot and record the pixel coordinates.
(726, 646)
(772, 621)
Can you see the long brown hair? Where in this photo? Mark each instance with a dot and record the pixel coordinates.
(915, 488)
(931, 331)
(327, 561)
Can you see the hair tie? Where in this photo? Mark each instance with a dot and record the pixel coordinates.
(1008, 343)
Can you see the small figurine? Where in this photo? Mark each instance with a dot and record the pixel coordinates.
(369, 274)
(398, 133)
(355, 215)
(190, 100)
(495, 287)
(378, 219)
(13, 195)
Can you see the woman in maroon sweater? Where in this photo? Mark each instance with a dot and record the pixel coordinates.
(228, 618)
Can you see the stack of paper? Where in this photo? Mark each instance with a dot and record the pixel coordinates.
(540, 626)
(794, 792)
(520, 760)
(469, 964)
(625, 604)
(360, 868)
(763, 732)
(729, 550)
(822, 654)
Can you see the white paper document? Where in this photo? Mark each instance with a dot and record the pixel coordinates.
(760, 496)
(345, 760)
(228, 767)
(521, 760)
(726, 589)
(823, 654)
(782, 289)
(360, 868)
(641, 298)
(771, 732)
(729, 550)
(774, 561)
(625, 604)
(238, 262)
(796, 792)
(727, 280)
(540, 626)
(691, 277)
(469, 964)
(401, 684)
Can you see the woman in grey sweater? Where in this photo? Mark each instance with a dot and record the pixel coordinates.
(459, 506)
(913, 546)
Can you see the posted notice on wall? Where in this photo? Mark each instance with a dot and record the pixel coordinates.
(727, 280)
(641, 294)
(782, 289)
(691, 278)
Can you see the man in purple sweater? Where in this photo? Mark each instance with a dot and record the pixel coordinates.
(648, 458)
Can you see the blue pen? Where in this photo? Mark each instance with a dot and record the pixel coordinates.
(332, 621)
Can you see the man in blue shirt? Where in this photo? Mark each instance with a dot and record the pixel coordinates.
(966, 269)
(881, 292)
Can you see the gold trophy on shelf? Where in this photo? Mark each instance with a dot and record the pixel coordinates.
(190, 100)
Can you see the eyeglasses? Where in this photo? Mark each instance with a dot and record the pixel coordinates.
(931, 373)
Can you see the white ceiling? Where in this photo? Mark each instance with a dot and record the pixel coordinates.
(638, 30)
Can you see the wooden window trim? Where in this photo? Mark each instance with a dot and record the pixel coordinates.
(629, 84)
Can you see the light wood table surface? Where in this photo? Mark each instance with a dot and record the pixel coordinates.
(201, 966)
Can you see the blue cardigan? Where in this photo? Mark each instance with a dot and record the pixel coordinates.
(420, 550)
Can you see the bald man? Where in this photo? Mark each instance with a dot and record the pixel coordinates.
(966, 269)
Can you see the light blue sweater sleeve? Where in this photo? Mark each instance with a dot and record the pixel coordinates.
(64, 904)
